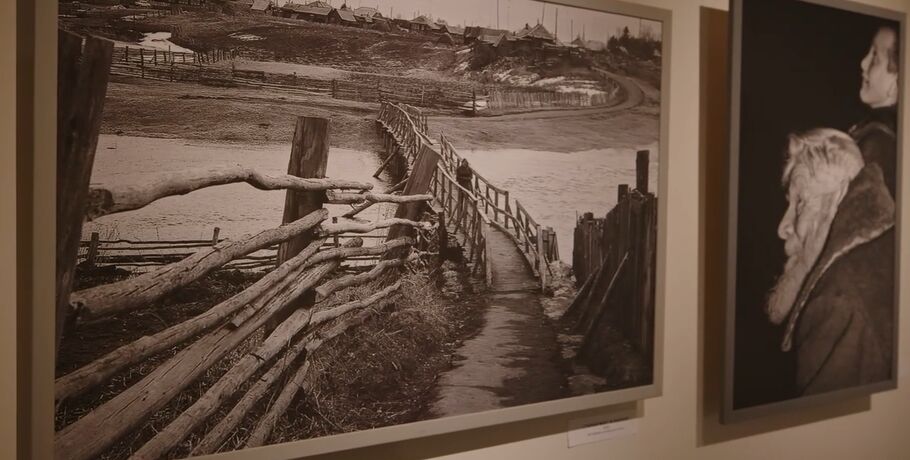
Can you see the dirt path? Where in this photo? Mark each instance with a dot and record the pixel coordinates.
(514, 359)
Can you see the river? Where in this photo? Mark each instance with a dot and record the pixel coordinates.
(553, 187)
(557, 187)
(237, 209)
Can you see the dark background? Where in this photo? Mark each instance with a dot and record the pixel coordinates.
(800, 70)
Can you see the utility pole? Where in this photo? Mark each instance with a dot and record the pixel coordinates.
(497, 14)
(543, 15)
(556, 24)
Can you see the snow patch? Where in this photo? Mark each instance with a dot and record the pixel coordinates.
(245, 37)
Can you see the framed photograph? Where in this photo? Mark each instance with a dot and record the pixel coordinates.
(325, 225)
(815, 188)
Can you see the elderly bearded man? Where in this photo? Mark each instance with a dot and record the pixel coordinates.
(836, 293)
(879, 91)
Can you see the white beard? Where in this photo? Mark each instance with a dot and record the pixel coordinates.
(783, 295)
(799, 264)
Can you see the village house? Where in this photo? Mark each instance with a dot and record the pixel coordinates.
(343, 16)
(422, 24)
(261, 6)
(367, 12)
(537, 36)
(486, 35)
(314, 11)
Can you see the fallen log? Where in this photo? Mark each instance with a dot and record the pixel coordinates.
(354, 198)
(136, 292)
(216, 437)
(102, 427)
(110, 200)
(228, 384)
(367, 227)
(265, 425)
(103, 368)
(344, 252)
(353, 280)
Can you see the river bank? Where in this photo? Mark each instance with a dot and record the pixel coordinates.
(151, 108)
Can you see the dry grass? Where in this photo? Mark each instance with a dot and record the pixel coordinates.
(379, 373)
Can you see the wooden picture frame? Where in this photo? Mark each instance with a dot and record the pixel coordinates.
(38, 342)
(753, 24)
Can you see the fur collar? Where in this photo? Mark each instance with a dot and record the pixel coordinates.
(865, 213)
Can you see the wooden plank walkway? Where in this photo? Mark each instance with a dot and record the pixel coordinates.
(510, 269)
(514, 359)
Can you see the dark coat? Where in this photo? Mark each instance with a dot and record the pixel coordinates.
(877, 139)
(842, 323)
(464, 175)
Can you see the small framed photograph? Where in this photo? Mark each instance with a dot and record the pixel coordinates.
(815, 189)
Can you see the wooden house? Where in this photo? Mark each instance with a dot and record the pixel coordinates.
(343, 16)
(422, 24)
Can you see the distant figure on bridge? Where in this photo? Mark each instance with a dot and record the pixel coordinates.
(464, 175)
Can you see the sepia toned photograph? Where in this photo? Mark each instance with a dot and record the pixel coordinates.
(279, 221)
(815, 187)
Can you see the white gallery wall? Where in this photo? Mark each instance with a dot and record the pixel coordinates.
(672, 426)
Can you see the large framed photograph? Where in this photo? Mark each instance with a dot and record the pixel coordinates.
(816, 150)
(332, 224)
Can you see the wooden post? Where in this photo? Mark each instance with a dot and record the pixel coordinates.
(443, 236)
(215, 233)
(474, 102)
(418, 184)
(81, 88)
(141, 63)
(505, 194)
(126, 54)
(334, 89)
(541, 259)
(155, 57)
(92, 254)
(641, 171)
(309, 159)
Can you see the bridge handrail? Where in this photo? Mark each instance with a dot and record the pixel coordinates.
(492, 203)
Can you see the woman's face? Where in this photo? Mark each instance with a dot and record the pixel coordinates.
(879, 87)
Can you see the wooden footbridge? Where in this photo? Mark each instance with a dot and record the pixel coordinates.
(502, 241)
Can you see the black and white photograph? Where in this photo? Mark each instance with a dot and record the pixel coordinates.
(815, 187)
(279, 221)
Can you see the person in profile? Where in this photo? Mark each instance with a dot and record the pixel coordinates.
(876, 134)
(836, 293)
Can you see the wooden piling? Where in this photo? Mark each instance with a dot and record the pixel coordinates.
(92, 255)
(418, 184)
(215, 233)
(309, 159)
(81, 88)
(641, 171)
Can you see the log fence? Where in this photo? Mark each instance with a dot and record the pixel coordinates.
(298, 296)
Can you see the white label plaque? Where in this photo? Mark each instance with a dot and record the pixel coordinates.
(602, 431)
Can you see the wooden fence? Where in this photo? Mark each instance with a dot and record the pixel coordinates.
(505, 98)
(294, 304)
(470, 212)
(614, 260)
(142, 255)
(175, 66)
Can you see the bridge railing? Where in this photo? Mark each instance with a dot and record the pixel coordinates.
(469, 210)
(538, 244)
